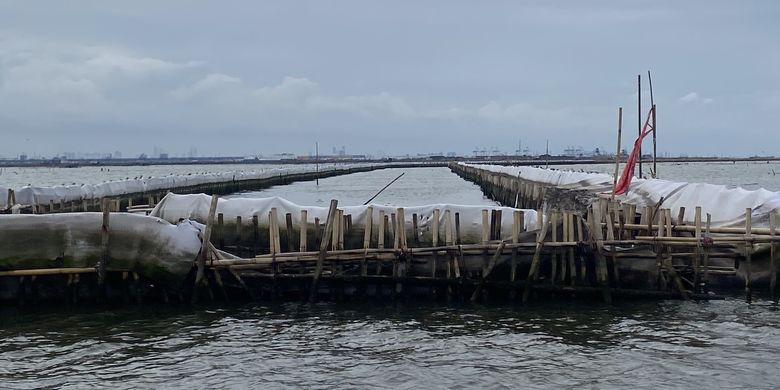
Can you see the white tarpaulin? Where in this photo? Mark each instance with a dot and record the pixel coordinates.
(726, 205)
(32, 195)
(174, 207)
(149, 245)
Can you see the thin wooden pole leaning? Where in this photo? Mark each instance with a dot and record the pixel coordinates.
(326, 235)
(537, 253)
(617, 152)
(199, 276)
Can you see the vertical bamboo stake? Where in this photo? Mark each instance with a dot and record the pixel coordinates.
(367, 225)
(536, 258)
(304, 227)
(277, 241)
(748, 254)
(572, 263)
(554, 255)
(289, 225)
(458, 240)
(323, 249)
(402, 228)
(772, 257)
(706, 259)
(103, 264)
(449, 240)
(602, 274)
(204, 248)
(667, 257)
(681, 216)
(617, 153)
(415, 230)
(485, 226)
(272, 248)
(697, 254)
(435, 239)
(655, 129)
(342, 229)
(394, 227)
(516, 221)
(639, 117)
(380, 243)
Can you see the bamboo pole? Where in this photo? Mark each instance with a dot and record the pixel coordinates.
(532, 272)
(748, 255)
(617, 152)
(323, 249)
(706, 258)
(435, 238)
(381, 232)
(368, 224)
(772, 257)
(697, 256)
(289, 226)
(602, 274)
(304, 227)
(199, 277)
(104, 244)
(639, 117)
(553, 255)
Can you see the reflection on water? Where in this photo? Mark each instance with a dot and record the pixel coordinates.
(550, 344)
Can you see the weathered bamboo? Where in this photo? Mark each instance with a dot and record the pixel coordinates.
(601, 261)
(199, 276)
(104, 237)
(381, 232)
(772, 257)
(748, 255)
(323, 249)
(304, 229)
(532, 272)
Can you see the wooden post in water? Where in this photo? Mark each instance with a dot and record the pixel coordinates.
(435, 240)
(706, 258)
(772, 259)
(536, 259)
(304, 227)
(748, 254)
(323, 249)
(104, 257)
(367, 224)
(381, 232)
(554, 255)
(289, 225)
(601, 272)
(199, 276)
(697, 254)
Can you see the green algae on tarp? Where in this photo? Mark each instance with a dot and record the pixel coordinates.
(155, 248)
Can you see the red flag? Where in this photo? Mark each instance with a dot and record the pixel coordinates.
(628, 170)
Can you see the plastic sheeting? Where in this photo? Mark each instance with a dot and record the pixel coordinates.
(150, 246)
(174, 207)
(4, 198)
(726, 205)
(32, 195)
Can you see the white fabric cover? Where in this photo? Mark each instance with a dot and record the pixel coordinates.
(174, 207)
(726, 205)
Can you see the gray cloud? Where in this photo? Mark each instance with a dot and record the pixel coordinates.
(400, 77)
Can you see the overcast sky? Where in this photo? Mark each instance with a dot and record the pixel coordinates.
(392, 77)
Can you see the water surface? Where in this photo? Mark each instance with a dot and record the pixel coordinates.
(723, 344)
